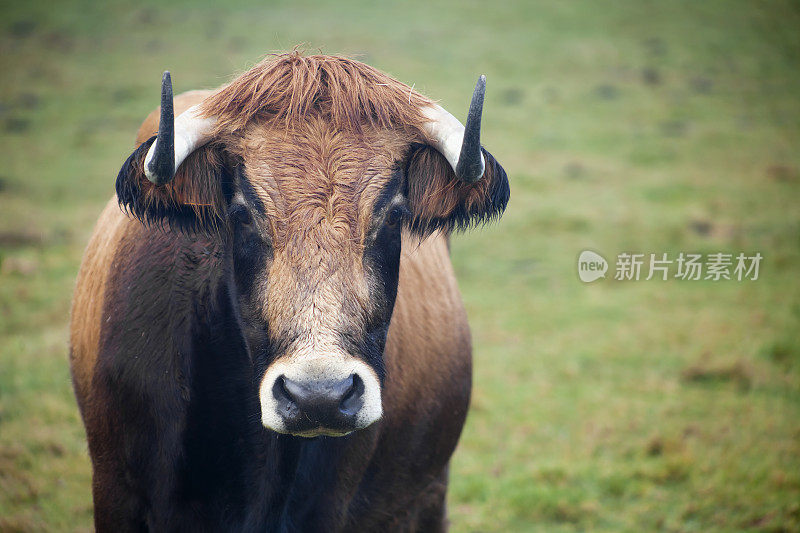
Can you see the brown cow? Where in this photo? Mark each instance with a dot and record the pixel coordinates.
(268, 336)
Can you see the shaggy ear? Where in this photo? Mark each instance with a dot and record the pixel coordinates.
(439, 200)
(195, 200)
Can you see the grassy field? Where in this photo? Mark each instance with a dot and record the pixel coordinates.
(653, 127)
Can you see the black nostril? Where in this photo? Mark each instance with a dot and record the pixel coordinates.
(349, 386)
(295, 391)
(280, 392)
(352, 399)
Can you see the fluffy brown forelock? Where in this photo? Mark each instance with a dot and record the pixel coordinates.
(285, 89)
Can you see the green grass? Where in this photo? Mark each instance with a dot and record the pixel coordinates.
(625, 126)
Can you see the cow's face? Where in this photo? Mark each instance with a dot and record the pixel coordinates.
(309, 170)
(316, 220)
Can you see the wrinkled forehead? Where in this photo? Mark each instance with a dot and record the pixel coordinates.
(314, 174)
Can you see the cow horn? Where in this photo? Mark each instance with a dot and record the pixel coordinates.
(459, 145)
(177, 138)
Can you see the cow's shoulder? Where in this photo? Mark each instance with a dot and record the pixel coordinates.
(90, 291)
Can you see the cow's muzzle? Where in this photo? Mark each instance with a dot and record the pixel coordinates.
(324, 407)
(310, 399)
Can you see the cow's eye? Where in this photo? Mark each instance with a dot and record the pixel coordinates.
(395, 216)
(240, 215)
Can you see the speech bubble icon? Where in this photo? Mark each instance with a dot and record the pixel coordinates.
(591, 266)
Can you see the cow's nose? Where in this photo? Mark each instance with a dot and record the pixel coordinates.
(311, 406)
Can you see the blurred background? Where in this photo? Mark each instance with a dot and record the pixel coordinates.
(640, 126)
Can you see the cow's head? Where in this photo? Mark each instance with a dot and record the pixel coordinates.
(314, 170)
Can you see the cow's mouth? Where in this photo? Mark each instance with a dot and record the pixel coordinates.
(319, 432)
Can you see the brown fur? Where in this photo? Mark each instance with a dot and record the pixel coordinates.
(319, 138)
(111, 228)
(341, 110)
(284, 89)
(87, 305)
(318, 174)
(351, 106)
